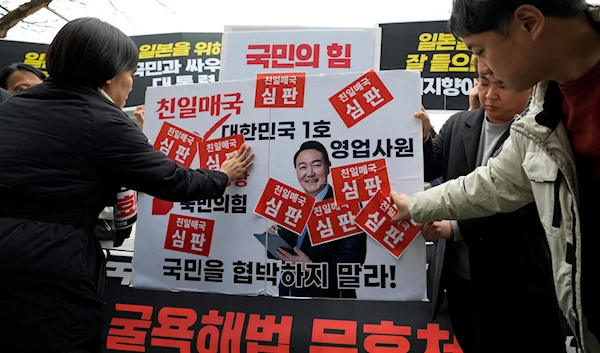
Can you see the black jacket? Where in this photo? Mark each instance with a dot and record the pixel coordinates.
(511, 276)
(4, 95)
(64, 152)
(351, 250)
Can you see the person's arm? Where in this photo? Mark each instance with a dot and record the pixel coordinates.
(501, 186)
(433, 146)
(126, 158)
(433, 153)
(140, 116)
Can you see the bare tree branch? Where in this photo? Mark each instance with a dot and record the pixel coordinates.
(12, 18)
(119, 11)
(165, 6)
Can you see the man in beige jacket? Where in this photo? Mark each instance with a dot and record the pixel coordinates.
(553, 153)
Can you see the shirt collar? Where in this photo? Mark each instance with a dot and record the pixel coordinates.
(321, 195)
(105, 95)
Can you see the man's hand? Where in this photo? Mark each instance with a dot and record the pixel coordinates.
(140, 115)
(433, 231)
(422, 114)
(291, 258)
(274, 229)
(401, 202)
(474, 102)
(238, 163)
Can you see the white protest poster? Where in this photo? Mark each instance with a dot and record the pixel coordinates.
(314, 51)
(315, 220)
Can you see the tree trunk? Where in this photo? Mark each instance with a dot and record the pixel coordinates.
(17, 15)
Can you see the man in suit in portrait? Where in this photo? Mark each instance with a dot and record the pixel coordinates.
(312, 164)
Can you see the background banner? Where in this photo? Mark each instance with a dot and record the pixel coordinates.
(165, 60)
(175, 59)
(444, 61)
(298, 50)
(156, 321)
(325, 146)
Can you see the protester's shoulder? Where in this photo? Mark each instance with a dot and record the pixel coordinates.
(4, 95)
(529, 125)
(460, 118)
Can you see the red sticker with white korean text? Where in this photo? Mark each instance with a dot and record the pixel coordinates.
(284, 205)
(359, 182)
(280, 90)
(178, 144)
(361, 98)
(329, 222)
(214, 152)
(376, 220)
(190, 235)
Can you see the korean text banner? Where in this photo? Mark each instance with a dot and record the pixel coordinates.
(33, 54)
(445, 62)
(246, 54)
(328, 150)
(175, 59)
(138, 320)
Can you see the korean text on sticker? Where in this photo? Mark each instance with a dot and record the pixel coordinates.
(376, 220)
(189, 235)
(284, 205)
(361, 98)
(214, 152)
(280, 90)
(359, 182)
(329, 222)
(177, 143)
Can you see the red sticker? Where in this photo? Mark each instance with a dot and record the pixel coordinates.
(361, 98)
(189, 235)
(329, 222)
(284, 205)
(359, 182)
(177, 143)
(376, 220)
(215, 152)
(280, 90)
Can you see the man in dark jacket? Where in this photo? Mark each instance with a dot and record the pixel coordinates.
(500, 293)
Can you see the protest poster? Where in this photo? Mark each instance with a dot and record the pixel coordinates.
(164, 60)
(234, 244)
(175, 59)
(312, 51)
(445, 62)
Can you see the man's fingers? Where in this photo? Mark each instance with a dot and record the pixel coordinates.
(283, 254)
(298, 251)
(426, 228)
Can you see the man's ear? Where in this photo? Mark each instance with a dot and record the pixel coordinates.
(531, 19)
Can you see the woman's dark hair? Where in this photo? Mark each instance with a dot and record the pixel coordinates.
(89, 52)
(12, 68)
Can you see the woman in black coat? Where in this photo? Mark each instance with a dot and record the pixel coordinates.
(65, 149)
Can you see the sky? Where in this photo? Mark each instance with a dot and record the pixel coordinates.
(137, 17)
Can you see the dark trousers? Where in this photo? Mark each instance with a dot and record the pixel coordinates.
(460, 306)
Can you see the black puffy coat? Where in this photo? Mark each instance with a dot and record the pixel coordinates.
(64, 152)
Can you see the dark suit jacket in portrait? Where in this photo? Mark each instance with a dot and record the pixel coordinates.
(348, 250)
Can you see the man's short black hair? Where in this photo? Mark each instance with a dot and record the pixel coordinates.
(314, 145)
(478, 16)
(89, 52)
(12, 68)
